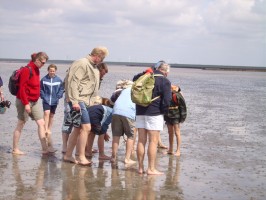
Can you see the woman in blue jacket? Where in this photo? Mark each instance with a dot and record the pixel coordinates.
(51, 91)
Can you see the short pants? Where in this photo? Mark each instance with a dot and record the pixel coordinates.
(46, 106)
(36, 111)
(122, 125)
(150, 122)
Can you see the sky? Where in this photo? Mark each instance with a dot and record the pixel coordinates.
(207, 32)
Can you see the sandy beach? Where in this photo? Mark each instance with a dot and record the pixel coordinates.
(222, 153)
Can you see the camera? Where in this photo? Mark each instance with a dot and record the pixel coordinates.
(5, 104)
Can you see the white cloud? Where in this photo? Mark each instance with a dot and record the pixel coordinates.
(197, 31)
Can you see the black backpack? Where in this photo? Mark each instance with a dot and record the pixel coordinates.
(14, 80)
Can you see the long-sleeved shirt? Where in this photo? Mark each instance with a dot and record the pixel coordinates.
(51, 89)
(162, 88)
(82, 81)
(29, 87)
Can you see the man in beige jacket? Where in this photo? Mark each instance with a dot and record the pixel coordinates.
(81, 86)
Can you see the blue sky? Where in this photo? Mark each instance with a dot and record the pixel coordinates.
(218, 32)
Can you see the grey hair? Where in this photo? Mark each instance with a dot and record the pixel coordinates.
(164, 67)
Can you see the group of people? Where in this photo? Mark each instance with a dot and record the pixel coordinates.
(86, 114)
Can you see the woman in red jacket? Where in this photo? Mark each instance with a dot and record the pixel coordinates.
(27, 102)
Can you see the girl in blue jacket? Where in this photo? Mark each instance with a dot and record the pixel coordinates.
(51, 91)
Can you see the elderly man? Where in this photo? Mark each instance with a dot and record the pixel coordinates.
(149, 120)
(81, 85)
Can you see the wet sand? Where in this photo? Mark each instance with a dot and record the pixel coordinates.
(222, 153)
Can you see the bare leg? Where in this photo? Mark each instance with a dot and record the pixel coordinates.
(65, 137)
(72, 141)
(50, 142)
(142, 134)
(134, 141)
(16, 136)
(171, 138)
(152, 152)
(160, 143)
(115, 144)
(42, 136)
(178, 139)
(46, 119)
(82, 140)
(129, 148)
(89, 145)
(50, 124)
(102, 156)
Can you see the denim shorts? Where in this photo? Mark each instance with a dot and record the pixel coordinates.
(85, 117)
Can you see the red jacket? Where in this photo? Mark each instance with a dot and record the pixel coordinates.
(29, 88)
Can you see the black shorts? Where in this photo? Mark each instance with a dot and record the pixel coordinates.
(46, 106)
(171, 121)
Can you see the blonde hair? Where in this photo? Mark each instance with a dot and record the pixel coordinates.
(100, 51)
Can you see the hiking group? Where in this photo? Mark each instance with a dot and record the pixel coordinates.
(136, 109)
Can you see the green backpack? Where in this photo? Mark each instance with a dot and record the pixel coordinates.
(141, 90)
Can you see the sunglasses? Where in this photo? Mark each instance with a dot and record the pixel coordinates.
(42, 62)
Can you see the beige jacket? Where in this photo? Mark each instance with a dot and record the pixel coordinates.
(82, 81)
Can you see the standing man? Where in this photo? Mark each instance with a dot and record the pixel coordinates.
(149, 120)
(81, 86)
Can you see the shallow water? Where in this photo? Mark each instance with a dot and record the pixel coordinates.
(223, 146)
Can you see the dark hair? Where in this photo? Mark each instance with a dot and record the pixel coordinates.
(52, 66)
(102, 66)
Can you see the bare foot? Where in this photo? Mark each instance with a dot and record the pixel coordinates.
(70, 159)
(169, 152)
(113, 159)
(154, 172)
(51, 150)
(104, 157)
(177, 153)
(141, 170)
(129, 161)
(161, 146)
(94, 151)
(83, 162)
(18, 152)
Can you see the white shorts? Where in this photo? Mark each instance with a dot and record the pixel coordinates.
(153, 123)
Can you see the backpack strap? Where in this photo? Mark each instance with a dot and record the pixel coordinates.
(29, 67)
(156, 75)
(174, 97)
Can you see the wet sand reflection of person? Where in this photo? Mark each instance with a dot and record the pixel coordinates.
(76, 181)
(45, 184)
(46, 181)
(145, 188)
(20, 191)
(172, 179)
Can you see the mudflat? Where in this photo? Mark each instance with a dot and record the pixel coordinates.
(222, 153)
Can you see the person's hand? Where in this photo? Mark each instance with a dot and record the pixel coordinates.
(76, 107)
(106, 137)
(27, 108)
(1, 96)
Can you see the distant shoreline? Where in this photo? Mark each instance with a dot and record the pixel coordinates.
(173, 65)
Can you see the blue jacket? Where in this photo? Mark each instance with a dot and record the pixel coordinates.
(162, 88)
(124, 106)
(100, 117)
(52, 89)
